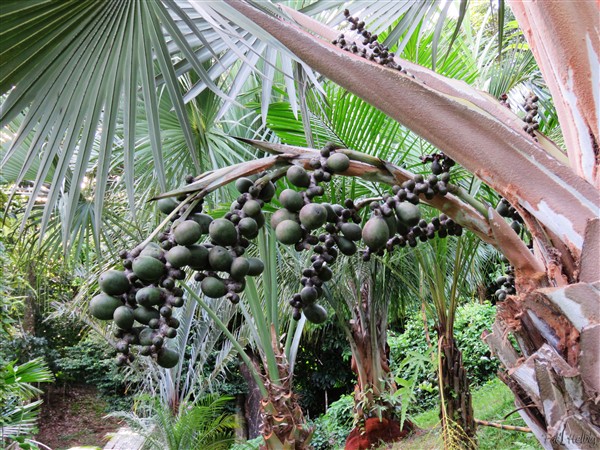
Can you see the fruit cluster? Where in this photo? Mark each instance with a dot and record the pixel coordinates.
(146, 292)
(141, 297)
(440, 163)
(531, 109)
(364, 43)
(505, 209)
(504, 285)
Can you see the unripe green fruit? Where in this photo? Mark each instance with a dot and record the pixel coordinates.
(248, 227)
(148, 269)
(338, 163)
(149, 296)
(298, 176)
(376, 233)
(256, 267)
(223, 232)
(179, 256)
(220, 259)
(199, 257)
(346, 246)
(213, 287)
(280, 215)
(291, 200)
(187, 232)
(243, 185)
(352, 231)
(408, 213)
(167, 205)
(103, 306)
(313, 215)
(239, 268)
(144, 314)
(114, 282)
(203, 220)
(167, 358)
(123, 317)
(153, 250)
(251, 208)
(288, 232)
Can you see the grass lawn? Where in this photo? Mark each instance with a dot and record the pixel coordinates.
(490, 402)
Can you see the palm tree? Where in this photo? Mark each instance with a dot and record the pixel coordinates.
(66, 57)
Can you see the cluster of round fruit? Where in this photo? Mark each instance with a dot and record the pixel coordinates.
(366, 44)
(440, 163)
(531, 109)
(146, 292)
(504, 285)
(299, 219)
(505, 209)
(143, 293)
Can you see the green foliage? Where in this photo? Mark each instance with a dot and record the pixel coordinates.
(91, 361)
(333, 427)
(198, 424)
(323, 365)
(18, 415)
(252, 444)
(471, 320)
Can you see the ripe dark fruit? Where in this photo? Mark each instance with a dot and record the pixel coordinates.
(213, 287)
(239, 268)
(288, 232)
(352, 231)
(243, 184)
(298, 176)
(308, 294)
(338, 163)
(187, 232)
(313, 215)
(223, 232)
(149, 296)
(325, 273)
(315, 313)
(346, 246)
(103, 306)
(267, 192)
(408, 213)
(375, 233)
(148, 268)
(203, 220)
(167, 205)
(198, 257)
(220, 259)
(292, 200)
(256, 267)
(144, 314)
(123, 317)
(167, 358)
(179, 256)
(114, 282)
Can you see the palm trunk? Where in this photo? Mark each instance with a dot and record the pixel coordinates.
(368, 343)
(283, 425)
(456, 409)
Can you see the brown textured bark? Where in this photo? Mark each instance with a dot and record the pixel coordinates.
(283, 424)
(251, 403)
(457, 408)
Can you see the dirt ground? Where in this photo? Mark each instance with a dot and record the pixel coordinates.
(73, 417)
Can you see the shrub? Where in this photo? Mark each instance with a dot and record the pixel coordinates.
(471, 320)
(91, 361)
(333, 427)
